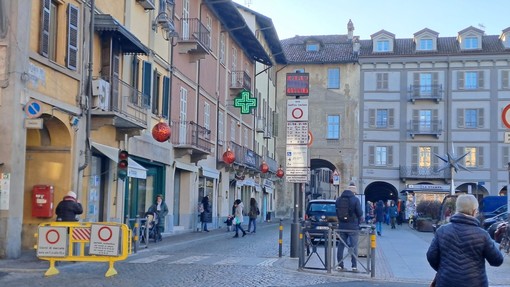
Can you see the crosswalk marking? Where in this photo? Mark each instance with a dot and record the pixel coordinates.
(228, 261)
(190, 259)
(268, 262)
(151, 259)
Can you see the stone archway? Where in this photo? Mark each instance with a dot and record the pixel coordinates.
(380, 190)
(479, 191)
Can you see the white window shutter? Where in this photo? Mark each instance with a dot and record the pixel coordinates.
(73, 20)
(44, 45)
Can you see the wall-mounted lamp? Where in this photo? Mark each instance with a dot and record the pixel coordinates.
(165, 19)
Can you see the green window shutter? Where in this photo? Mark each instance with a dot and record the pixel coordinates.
(481, 80)
(460, 118)
(45, 28)
(371, 155)
(460, 80)
(480, 118)
(166, 97)
(146, 83)
(73, 20)
(391, 118)
(371, 118)
(390, 156)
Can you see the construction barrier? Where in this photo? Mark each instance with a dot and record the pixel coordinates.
(83, 241)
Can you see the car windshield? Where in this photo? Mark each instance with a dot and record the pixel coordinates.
(326, 208)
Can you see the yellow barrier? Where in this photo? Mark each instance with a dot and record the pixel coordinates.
(96, 242)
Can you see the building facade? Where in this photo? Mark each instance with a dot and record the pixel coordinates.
(87, 79)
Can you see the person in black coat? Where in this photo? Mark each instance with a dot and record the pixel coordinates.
(161, 210)
(459, 249)
(68, 208)
(205, 215)
(349, 237)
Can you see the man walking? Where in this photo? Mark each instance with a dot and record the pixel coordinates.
(349, 213)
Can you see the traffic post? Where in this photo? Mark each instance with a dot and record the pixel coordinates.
(122, 165)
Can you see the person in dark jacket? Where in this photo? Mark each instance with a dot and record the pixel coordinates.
(161, 209)
(459, 249)
(349, 229)
(393, 214)
(205, 215)
(252, 214)
(379, 216)
(68, 208)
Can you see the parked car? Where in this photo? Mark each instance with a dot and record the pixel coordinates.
(319, 214)
(498, 218)
(497, 211)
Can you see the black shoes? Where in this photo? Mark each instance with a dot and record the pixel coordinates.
(237, 235)
(244, 234)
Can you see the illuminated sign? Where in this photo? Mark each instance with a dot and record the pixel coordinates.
(297, 84)
(245, 102)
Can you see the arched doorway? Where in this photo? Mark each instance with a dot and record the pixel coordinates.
(479, 191)
(380, 190)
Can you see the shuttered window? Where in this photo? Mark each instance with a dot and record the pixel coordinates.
(146, 83)
(166, 97)
(73, 17)
(48, 37)
(505, 80)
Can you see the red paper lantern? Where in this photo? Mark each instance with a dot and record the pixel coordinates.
(229, 157)
(264, 168)
(280, 173)
(161, 131)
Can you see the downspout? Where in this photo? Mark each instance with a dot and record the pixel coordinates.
(89, 89)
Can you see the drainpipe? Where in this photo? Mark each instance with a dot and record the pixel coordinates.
(89, 89)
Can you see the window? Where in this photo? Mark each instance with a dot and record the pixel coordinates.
(425, 120)
(155, 93)
(209, 28)
(470, 118)
(425, 84)
(146, 82)
(334, 78)
(470, 80)
(381, 118)
(222, 48)
(333, 127)
(424, 157)
(425, 44)
(423, 160)
(49, 32)
(382, 45)
(246, 137)
(380, 155)
(382, 81)
(183, 110)
(312, 47)
(233, 125)
(207, 115)
(471, 43)
(472, 158)
(221, 127)
(166, 97)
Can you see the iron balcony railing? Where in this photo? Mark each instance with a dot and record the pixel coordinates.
(114, 95)
(188, 134)
(420, 127)
(417, 172)
(426, 92)
(194, 30)
(240, 80)
(245, 158)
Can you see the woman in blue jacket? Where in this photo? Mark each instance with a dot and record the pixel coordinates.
(459, 249)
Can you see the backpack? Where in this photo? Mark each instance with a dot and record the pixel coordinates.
(343, 209)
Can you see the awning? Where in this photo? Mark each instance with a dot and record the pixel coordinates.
(186, 166)
(268, 189)
(129, 43)
(209, 172)
(258, 188)
(134, 169)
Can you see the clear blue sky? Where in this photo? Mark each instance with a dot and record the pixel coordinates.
(400, 17)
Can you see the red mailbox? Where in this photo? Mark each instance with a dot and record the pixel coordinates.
(42, 201)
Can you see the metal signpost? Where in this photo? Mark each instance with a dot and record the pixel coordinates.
(505, 116)
(296, 157)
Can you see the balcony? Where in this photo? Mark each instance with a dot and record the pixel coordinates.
(417, 127)
(240, 81)
(195, 38)
(189, 138)
(246, 160)
(424, 173)
(118, 104)
(426, 93)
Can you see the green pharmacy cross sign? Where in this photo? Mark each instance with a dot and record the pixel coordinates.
(245, 102)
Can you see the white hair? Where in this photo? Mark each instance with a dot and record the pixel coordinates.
(466, 203)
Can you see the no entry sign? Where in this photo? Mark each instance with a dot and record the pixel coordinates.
(104, 240)
(297, 110)
(52, 241)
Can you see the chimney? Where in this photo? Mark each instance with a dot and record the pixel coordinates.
(350, 30)
(356, 45)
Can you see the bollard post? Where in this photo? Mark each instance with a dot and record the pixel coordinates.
(280, 239)
(136, 235)
(372, 251)
(328, 248)
(301, 249)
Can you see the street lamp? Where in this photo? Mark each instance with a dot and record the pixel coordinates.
(165, 19)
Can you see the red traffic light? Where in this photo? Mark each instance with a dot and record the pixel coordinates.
(123, 155)
(122, 165)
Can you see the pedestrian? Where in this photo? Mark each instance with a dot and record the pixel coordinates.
(387, 213)
(393, 214)
(400, 209)
(69, 208)
(349, 214)
(161, 210)
(229, 221)
(239, 217)
(379, 216)
(253, 214)
(459, 249)
(205, 215)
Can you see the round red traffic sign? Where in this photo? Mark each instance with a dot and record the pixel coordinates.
(52, 236)
(105, 233)
(505, 116)
(297, 113)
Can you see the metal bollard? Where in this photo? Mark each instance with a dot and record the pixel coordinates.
(372, 251)
(329, 248)
(136, 235)
(280, 239)
(301, 249)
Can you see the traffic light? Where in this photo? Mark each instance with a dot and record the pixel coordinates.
(122, 165)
